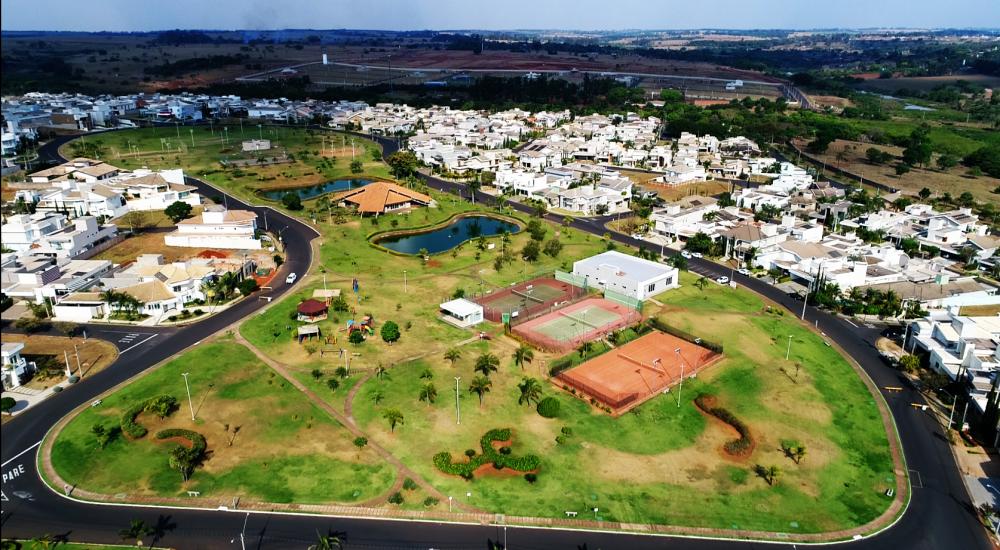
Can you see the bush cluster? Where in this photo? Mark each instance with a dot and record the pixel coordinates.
(733, 446)
(198, 443)
(161, 405)
(443, 461)
(548, 407)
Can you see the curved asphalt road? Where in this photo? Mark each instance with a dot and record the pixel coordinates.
(939, 516)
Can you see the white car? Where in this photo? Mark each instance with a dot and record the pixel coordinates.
(291, 278)
(722, 280)
(696, 254)
(743, 271)
(685, 254)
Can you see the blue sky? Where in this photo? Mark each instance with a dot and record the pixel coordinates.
(140, 15)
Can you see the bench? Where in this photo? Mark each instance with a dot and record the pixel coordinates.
(570, 514)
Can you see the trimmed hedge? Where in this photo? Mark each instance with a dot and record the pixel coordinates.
(526, 463)
(548, 407)
(734, 446)
(198, 443)
(162, 405)
(674, 331)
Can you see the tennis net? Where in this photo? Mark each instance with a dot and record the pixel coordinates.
(578, 320)
(528, 296)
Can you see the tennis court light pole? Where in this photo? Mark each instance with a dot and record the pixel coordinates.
(458, 408)
(680, 388)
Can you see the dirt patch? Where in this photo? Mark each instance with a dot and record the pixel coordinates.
(94, 355)
(487, 470)
(431, 264)
(182, 441)
(212, 254)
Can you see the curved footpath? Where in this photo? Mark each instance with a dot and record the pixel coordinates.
(939, 514)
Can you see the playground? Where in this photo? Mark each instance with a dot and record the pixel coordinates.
(630, 375)
(565, 328)
(527, 298)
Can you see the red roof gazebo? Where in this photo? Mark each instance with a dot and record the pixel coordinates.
(311, 311)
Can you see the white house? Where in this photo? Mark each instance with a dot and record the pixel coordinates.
(22, 231)
(147, 190)
(462, 313)
(75, 239)
(217, 228)
(15, 367)
(634, 277)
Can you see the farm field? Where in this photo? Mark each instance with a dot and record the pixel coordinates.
(266, 441)
(954, 180)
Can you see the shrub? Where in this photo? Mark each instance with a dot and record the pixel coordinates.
(470, 453)
(172, 318)
(198, 443)
(199, 312)
(505, 450)
(734, 446)
(396, 498)
(560, 439)
(530, 477)
(360, 442)
(409, 484)
(162, 405)
(73, 379)
(567, 431)
(57, 389)
(443, 462)
(430, 501)
(548, 407)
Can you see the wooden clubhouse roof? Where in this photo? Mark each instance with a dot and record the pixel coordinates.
(376, 196)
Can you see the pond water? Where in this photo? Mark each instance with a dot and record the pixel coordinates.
(449, 236)
(313, 191)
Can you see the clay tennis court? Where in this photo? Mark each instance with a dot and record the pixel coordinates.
(565, 328)
(629, 375)
(527, 298)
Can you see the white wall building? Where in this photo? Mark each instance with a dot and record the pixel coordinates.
(634, 277)
(217, 228)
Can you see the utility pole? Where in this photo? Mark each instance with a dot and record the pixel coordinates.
(188, 387)
(458, 409)
(69, 372)
(79, 369)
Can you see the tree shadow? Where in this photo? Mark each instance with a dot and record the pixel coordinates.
(163, 525)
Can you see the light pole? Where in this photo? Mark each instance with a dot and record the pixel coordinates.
(449, 504)
(789, 350)
(404, 281)
(188, 387)
(458, 409)
(680, 387)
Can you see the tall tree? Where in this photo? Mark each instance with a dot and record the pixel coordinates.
(522, 355)
(394, 417)
(531, 391)
(452, 355)
(428, 393)
(480, 386)
(486, 364)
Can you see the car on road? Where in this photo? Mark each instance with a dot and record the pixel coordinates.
(696, 254)
(685, 254)
(743, 271)
(723, 280)
(291, 278)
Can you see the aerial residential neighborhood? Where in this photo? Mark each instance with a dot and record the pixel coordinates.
(338, 275)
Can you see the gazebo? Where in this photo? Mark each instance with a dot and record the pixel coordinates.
(311, 311)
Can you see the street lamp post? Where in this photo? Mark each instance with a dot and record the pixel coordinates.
(680, 387)
(188, 387)
(404, 281)
(458, 408)
(788, 351)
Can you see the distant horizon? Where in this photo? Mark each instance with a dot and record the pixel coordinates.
(523, 29)
(509, 16)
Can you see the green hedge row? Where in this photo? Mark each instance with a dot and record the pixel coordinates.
(733, 446)
(161, 405)
(198, 443)
(526, 463)
(683, 335)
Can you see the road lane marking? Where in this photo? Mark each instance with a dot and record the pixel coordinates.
(122, 352)
(848, 321)
(20, 453)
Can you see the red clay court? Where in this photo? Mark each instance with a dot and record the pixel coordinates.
(630, 375)
(567, 327)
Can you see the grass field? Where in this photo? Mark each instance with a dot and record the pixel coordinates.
(669, 455)
(319, 156)
(286, 450)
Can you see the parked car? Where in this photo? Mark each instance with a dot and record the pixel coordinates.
(743, 271)
(685, 254)
(723, 280)
(696, 254)
(291, 278)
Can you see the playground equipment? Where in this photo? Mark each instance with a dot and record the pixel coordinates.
(366, 326)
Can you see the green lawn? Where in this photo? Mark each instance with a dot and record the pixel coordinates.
(287, 450)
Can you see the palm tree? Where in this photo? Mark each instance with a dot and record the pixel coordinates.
(771, 474)
(44, 541)
(393, 417)
(585, 348)
(798, 454)
(701, 283)
(531, 391)
(381, 372)
(376, 395)
(523, 355)
(328, 541)
(486, 363)
(427, 374)
(452, 355)
(136, 530)
(428, 393)
(480, 386)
